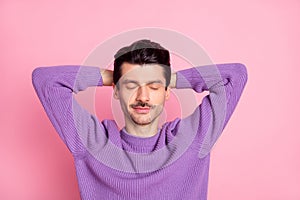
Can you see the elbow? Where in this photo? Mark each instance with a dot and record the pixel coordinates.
(35, 75)
(239, 75)
(242, 72)
(38, 76)
(36, 72)
(236, 73)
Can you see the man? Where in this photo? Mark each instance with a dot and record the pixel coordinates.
(142, 160)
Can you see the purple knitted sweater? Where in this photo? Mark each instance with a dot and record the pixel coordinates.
(112, 164)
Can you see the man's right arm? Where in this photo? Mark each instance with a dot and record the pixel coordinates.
(55, 86)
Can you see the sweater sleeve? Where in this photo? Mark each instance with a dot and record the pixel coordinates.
(225, 83)
(55, 86)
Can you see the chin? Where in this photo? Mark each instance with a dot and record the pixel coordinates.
(141, 120)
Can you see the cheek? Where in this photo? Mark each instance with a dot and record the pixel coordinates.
(128, 97)
(158, 97)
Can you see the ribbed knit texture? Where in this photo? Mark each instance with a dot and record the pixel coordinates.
(112, 164)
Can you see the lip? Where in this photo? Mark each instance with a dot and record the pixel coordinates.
(142, 110)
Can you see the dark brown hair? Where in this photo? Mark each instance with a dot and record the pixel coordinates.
(142, 52)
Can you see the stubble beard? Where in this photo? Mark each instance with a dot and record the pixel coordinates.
(141, 120)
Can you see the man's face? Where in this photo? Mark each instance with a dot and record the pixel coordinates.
(142, 92)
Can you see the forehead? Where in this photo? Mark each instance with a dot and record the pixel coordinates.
(142, 73)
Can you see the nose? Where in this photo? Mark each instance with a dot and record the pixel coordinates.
(142, 94)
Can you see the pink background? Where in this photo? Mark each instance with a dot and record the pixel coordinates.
(257, 157)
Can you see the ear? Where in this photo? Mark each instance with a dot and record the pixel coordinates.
(167, 95)
(116, 91)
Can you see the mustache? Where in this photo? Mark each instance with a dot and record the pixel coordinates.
(141, 104)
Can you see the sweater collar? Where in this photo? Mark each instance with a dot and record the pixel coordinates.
(139, 142)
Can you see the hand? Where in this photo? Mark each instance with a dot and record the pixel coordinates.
(107, 77)
(173, 80)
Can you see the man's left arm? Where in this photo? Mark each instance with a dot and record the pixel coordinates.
(225, 83)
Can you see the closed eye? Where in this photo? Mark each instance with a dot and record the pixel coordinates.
(155, 86)
(131, 85)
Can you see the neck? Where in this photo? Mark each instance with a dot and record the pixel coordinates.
(142, 130)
